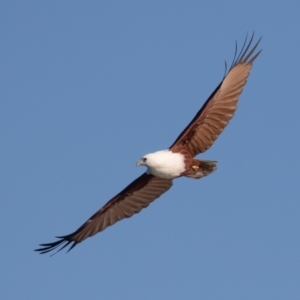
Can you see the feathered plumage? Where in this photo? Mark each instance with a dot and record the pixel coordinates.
(163, 166)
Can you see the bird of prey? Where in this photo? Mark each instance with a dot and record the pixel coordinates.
(176, 161)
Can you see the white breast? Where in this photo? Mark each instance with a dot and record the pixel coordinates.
(165, 164)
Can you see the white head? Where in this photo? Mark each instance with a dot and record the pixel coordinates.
(163, 164)
(152, 160)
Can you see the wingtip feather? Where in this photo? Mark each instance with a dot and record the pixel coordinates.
(63, 242)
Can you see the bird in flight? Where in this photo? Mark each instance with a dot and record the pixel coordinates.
(178, 160)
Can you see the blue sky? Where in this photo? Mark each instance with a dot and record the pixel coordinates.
(87, 88)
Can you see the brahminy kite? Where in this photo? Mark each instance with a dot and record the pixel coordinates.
(178, 160)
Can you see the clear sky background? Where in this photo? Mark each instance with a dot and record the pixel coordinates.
(87, 88)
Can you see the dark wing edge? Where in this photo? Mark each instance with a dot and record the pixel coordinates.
(131, 200)
(245, 56)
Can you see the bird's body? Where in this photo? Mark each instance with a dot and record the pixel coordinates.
(176, 161)
(170, 164)
(164, 164)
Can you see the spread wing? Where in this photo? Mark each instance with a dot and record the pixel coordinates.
(136, 196)
(219, 108)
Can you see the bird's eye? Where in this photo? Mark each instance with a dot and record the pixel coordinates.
(144, 159)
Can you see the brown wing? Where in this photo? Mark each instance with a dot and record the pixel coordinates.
(136, 196)
(219, 108)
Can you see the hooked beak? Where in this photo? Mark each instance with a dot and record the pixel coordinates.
(139, 163)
